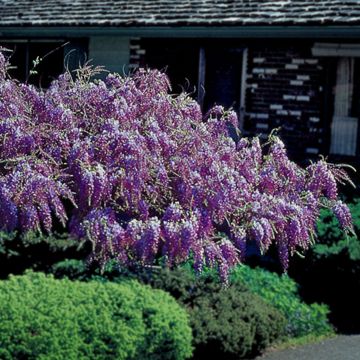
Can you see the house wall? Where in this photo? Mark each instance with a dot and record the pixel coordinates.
(112, 52)
(137, 56)
(286, 87)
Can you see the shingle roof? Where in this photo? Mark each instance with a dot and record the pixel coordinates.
(177, 12)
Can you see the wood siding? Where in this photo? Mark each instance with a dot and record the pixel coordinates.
(111, 52)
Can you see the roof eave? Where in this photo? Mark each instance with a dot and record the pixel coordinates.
(291, 31)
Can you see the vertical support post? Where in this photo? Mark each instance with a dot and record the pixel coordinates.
(27, 61)
(243, 89)
(201, 77)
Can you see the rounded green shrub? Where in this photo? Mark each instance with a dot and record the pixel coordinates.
(45, 318)
(282, 293)
(227, 322)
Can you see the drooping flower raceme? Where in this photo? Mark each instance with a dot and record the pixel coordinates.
(143, 174)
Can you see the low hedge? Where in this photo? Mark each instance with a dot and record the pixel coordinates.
(227, 322)
(282, 293)
(45, 318)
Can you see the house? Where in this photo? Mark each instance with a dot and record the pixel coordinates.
(292, 64)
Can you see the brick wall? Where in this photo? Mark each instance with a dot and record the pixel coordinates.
(137, 54)
(285, 88)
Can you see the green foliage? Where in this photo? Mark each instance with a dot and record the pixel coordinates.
(5, 240)
(36, 251)
(45, 318)
(227, 322)
(330, 271)
(73, 269)
(12, 244)
(282, 293)
(332, 240)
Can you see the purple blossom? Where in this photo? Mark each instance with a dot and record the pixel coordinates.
(283, 253)
(142, 173)
(322, 180)
(239, 237)
(343, 214)
(8, 210)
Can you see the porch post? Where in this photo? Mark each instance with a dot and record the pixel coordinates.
(201, 77)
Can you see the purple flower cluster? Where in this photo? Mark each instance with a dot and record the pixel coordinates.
(144, 174)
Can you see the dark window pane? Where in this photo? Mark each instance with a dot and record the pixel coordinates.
(179, 59)
(223, 77)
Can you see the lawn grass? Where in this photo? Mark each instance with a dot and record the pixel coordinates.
(292, 343)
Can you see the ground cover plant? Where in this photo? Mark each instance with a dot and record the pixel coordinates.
(144, 174)
(283, 293)
(45, 318)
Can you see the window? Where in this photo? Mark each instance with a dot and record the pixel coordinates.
(346, 112)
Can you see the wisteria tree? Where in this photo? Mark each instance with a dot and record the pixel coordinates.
(144, 174)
